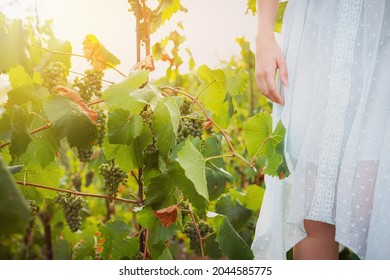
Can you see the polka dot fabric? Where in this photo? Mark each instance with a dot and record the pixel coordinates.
(337, 116)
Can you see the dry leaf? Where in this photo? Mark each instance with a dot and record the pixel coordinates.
(97, 54)
(145, 64)
(75, 97)
(167, 216)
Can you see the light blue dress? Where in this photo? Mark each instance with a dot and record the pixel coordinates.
(337, 116)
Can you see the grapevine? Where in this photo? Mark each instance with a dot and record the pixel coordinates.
(190, 231)
(33, 210)
(90, 84)
(113, 176)
(191, 124)
(84, 155)
(54, 75)
(101, 126)
(71, 205)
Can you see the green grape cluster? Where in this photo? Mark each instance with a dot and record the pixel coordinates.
(54, 75)
(34, 211)
(190, 231)
(146, 115)
(185, 109)
(191, 124)
(113, 176)
(84, 155)
(101, 126)
(90, 84)
(71, 205)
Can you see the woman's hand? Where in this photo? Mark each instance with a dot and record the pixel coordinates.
(269, 57)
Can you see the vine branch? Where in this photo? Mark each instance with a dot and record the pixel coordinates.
(197, 229)
(223, 132)
(77, 193)
(77, 55)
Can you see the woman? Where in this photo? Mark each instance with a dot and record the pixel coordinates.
(333, 96)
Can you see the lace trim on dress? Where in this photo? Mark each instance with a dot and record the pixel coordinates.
(339, 88)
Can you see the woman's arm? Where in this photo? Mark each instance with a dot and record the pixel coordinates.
(268, 54)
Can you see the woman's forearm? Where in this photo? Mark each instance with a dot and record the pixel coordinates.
(266, 16)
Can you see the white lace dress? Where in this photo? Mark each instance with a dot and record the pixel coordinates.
(337, 115)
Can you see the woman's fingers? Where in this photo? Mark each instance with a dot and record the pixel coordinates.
(281, 63)
(272, 92)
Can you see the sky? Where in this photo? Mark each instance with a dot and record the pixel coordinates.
(210, 28)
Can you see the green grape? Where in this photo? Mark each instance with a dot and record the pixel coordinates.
(191, 124)
(90, 84)
(113, 176)
(190, 231)
(54, 75)
(185, 109)
(101, 126)
(34, 211)
(84, 155)
(71, 205)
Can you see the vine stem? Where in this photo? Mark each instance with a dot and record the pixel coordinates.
(216, 157)
(223, 132)
(46, 126)
(78, 55)
(146, 243)
(76, 193)
(96, 101)
(81, 74)
(197, 229)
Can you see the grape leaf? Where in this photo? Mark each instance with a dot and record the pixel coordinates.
(14, 211)
(164, 12)
(166, 255)
(18, 77)
(216, 175)
(123, 129)
(43, 146)
(84, 249)
(167, 215)
(258, 134)
(99, 57)
(230, 242)
(117, 243)
(20, 137)
(129, 157)
(212, 93)
(14, 42)
(166, 119)
(180, 180)
(62, 250)
(251, 199)
(194, 166)
(70, 121)
(75, 97)
(160, 192)
(237, 81)
(118, 95)
(35, 94)
(157, 232)
(237, 214)
(35, 173)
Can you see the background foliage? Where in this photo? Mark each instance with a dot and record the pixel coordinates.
(185, 194)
